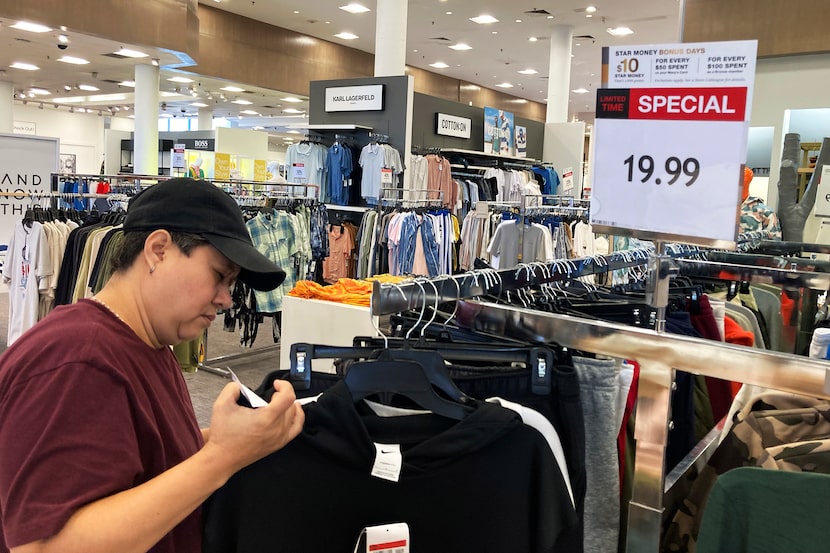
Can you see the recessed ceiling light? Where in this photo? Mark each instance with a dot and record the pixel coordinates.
(296, 12)
(439, 65)
(180, 80)
(533, 39)
(588, 15)
(494, 32)
(88, 87)
(518, 21)
(461, 46)
(31, 27)
(447, 13)
(591, 9)
(504, 85)
(346, 36)
(292, 110)
(24, 66)
(484, 19)
(199, 105)
(292, 132)
(127, 53)
(39, 92)
(580, 91)
(233, 89)
(73, 60)
(619, 31)
(354, 7)
(528, 72)
(249, 112)
(578, 44)
(550, 17)
(130, 84)
(67, 88)
(107, 98)
(242, 102)
(63, 39)
(292, 100)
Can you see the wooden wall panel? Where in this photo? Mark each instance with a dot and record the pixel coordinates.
(171, 24)
(782, 27)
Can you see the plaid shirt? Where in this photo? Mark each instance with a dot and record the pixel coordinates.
(273, 236)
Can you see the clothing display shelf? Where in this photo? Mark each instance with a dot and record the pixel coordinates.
(658, 354)
(495, 160)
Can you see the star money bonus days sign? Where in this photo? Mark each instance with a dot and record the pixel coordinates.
(670, 138)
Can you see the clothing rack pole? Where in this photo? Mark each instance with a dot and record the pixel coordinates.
(659, 355)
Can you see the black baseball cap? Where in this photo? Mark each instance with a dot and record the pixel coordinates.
(201, 208)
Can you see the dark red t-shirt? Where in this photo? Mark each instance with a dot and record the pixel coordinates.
(87, 410)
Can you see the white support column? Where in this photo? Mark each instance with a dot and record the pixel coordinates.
(6, 108)
(390, 38)
(559, 76)
(205, 122)
(146, 140)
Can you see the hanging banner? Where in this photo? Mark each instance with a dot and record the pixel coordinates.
(521, 141)
(260, 170)
(498, 132)
(26, 167)
(683, 110)
(222, 166)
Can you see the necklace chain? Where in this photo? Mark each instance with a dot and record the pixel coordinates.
(108, 308)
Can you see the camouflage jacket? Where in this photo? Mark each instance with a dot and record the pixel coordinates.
(755, 215)
(777, 431)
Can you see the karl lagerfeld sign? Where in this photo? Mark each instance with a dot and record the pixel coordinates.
(355, 98)
(450, 125)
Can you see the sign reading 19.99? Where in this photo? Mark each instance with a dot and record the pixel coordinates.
(670, 139)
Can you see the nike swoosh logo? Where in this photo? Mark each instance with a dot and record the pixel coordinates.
(387, 451)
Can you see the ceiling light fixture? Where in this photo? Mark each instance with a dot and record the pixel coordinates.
(580, 91)
(528, 72)
(619, 31)
(292, 110)
(439, 65)
(180, 80)
(130, 84)
(67, 88)
(591, 9)
(292, 100)
(127, 53)
(588, 15)
(31, 27)
(461, 46)
(38, 92)
(232, 89)
(155, 62)
(24, 66)
(533, 39)
(504, 85)
(73, 60)
(354, 7)
(249, 112)
(199, 105)
(346, 36)
(63, 39)
(242, 102)
(484, 19)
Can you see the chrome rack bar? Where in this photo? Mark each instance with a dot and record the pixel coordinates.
(750, 273)
(394, 298)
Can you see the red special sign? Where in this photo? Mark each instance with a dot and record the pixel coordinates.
(688, 104)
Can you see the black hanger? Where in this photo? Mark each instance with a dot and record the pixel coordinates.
(403, 378)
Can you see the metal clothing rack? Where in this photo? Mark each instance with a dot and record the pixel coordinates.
(658, 354)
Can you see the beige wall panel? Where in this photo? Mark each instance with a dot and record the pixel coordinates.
(782, 27)
(171, 24)
(433, 84)
(255, 53)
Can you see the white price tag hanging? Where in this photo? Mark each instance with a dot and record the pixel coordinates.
(298, 172)
(386, 538)
(386, 176)
(568, 179)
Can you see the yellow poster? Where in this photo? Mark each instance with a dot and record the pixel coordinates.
(222, 167)
(260, 170)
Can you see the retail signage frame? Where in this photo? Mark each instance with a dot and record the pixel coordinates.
(452, 125)
(355, 98)
(670, 141)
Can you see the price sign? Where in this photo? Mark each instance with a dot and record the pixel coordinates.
(298, 172)
(567, 179)
(823, 193)
(386, 176)
(670, 140)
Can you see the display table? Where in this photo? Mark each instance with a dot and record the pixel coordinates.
(322, 322)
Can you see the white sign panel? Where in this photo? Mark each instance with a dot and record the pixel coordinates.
(28, 128)
(451, 125)
(26, 167)
(670, 140)
(823, 193)
(355, 98)
(178, 161)
(568, 179)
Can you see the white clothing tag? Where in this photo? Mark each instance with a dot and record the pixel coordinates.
(249, 394)
(388, 538)
(388, 462)
(386, 176)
